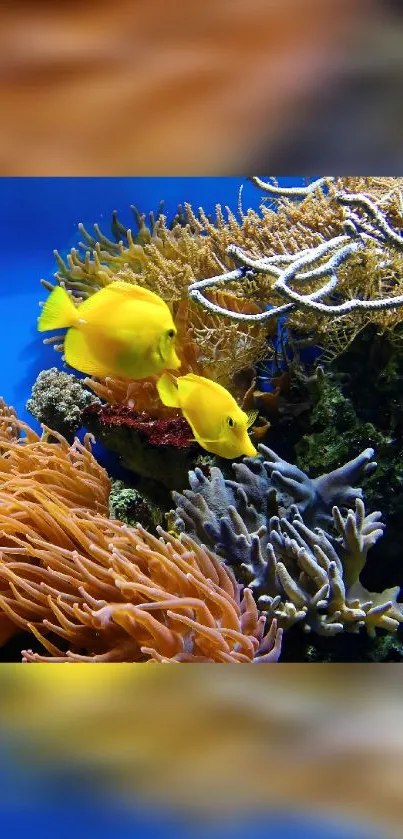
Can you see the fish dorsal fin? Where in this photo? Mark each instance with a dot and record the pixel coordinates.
(252, 416)
(138, 292)
(117, 292)
(193, 378)
(78, 354)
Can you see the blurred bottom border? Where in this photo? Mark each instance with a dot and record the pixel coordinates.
(299, 750)
(94, 820)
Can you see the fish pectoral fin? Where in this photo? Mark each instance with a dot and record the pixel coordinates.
(78, 354)
(252, 416)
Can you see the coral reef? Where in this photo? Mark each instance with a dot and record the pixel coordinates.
(128, 505)
(359, 397)
(160, 450)
(361, 280)
(267, 524)
(261, 254)
(30, 466)
(284, 539)
(30, 462)
(172, 259)
(108, 591)
(335, 429)
(58, 400)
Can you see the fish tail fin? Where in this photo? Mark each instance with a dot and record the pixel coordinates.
(59, 311)
(168, 391)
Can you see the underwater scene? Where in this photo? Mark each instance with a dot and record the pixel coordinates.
(201, 451)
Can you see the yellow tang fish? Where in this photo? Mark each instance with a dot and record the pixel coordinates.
(122, 330)
(218, 423)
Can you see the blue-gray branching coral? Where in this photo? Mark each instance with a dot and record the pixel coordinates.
(299, 544)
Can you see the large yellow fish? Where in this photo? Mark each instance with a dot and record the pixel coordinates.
(122, 330)
(218, 423)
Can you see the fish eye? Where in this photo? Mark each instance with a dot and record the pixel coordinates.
(171, 333)
(230, 422)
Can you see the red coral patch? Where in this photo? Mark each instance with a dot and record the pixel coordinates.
(174, 431)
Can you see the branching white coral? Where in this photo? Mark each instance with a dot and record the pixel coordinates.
(276, 191)
(302, 267)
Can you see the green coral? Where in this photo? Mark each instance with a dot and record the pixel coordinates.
(342, 648)
(359, 399)
(337, 431)
(128, 505)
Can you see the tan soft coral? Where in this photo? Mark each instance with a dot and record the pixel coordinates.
(366, 275)
(284, 226)
(111, 592)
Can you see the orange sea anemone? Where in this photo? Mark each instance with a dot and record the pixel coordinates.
(108, 591)
(116, 593)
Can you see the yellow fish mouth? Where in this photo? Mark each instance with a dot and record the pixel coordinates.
(176, 361)
(172, 362)
(248, 449)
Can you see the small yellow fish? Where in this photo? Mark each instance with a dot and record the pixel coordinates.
(122, 330)
(218, 423)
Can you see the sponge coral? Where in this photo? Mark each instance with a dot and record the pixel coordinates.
(58, 400)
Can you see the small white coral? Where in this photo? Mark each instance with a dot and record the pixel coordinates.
(58, 400)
